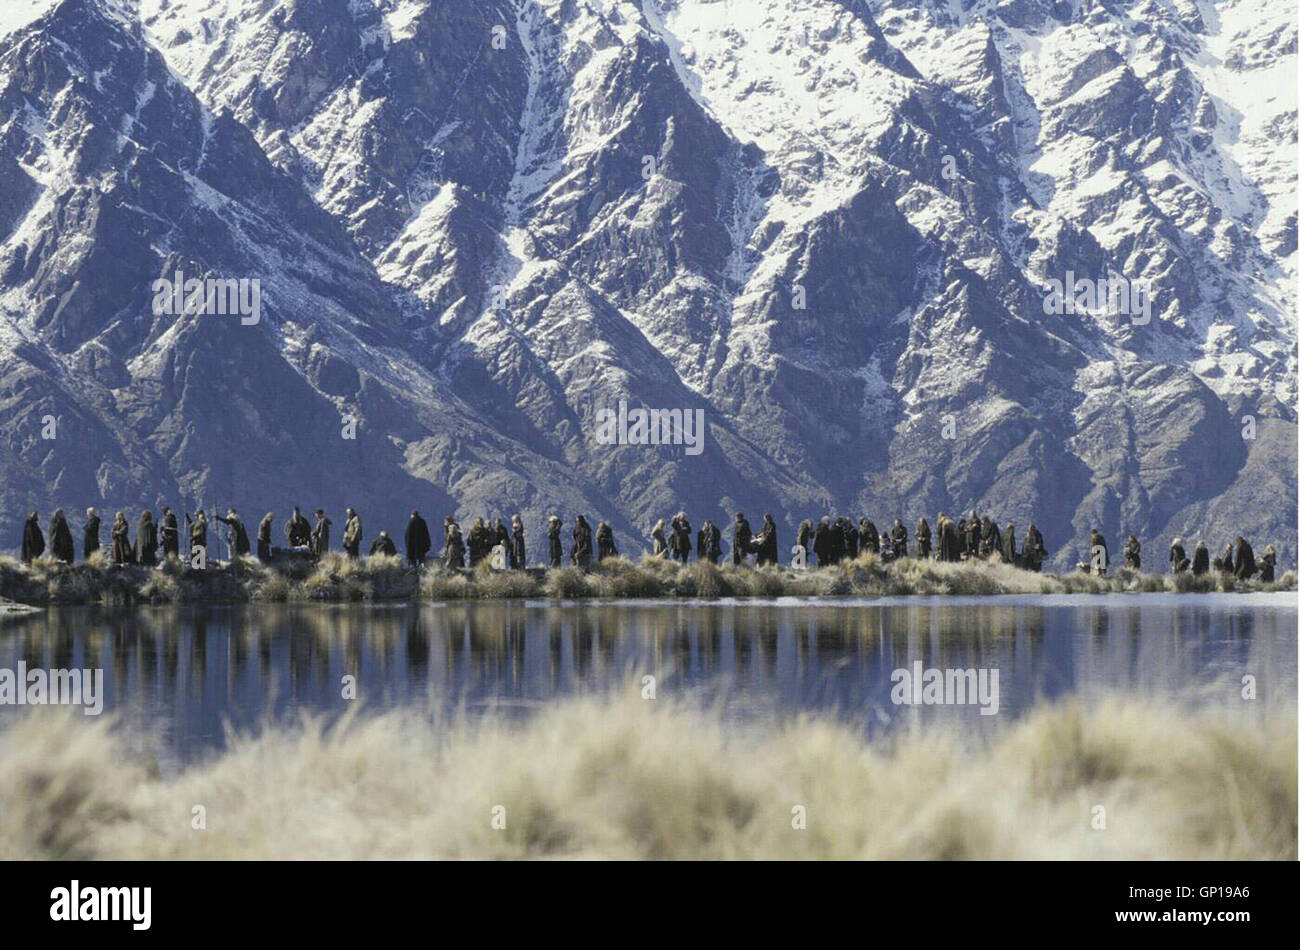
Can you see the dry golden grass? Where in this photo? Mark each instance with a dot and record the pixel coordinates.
(626, 778)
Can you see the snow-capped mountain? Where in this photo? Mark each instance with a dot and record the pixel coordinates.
(832, 225)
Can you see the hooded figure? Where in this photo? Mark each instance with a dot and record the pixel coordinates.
(1200, 559)
(1094, 542)
(1033, 552)
(1009, 544)
(33, 538)
(239, 533)
(836, 538)
(453, 550)
(383, 544)
(320, 534)
(417, 540)
(171, 534)
(1178, 556)
(1133, 553)
(264, 537)
(146, 540)
(352, 534)
(90, 536)
(659, 539)
(580, 554)
(898, 537)
(741, 536)
(1267, 565)
(518, 556)
(296, 530)
(1225, 560)
(198, 531)
(605, 542)
(803, 536)
(123, 553)
(61, 545)
(972, 539)
(868, 536)
(1245, 560)
(990, 537)
(947, 538)
(822, 542)
(923, 538)
(709, 546)
(480, 538)
(767, 546)
(682, 535)
(555, 551)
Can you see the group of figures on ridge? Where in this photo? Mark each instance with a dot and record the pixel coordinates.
(829, 541)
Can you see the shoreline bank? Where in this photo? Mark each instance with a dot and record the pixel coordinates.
(381, 578)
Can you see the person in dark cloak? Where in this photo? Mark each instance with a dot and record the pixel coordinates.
(659, 540)
(1009, 545)
(852, 540)
(383, 544)
(239, 533)
(146, 540)
(868, 536)
(1200, 559)
(580, 554)
(973, 532)
(1224, 562)
(453, 551)
(945, 537)
(264, 537)
(416, 540)
(320, 534)
(1245, 560)
(296, 530)
(198, 526)
(352, 534)
(1096, 541)
(555, 550)
(1268, 565)
(1133, 553)
(170, 535)
(33, 538)
(990, 537)
(710, 542)
(741, 536)
(518, 553)
(898, 539)
(1178, 562)
(835, 542)
(822, 542)
(90, 535)
(768, 552)
(961, 539)
(123, 552)
(682, 529)
(923, 538)
(479, 540)
(61, 543)
(605, 541)
(1034, 553)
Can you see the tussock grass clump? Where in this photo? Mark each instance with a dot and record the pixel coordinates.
(625, 779)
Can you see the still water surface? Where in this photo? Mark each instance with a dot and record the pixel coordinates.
(178, 675)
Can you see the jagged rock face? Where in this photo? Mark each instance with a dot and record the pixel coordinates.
(832, 226)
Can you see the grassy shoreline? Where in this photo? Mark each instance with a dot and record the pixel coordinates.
(335, 579)
(624, 778)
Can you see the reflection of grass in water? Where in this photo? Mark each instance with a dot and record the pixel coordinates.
(633, 779)
(336, 578)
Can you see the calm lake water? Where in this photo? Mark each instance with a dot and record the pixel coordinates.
(176, 675)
